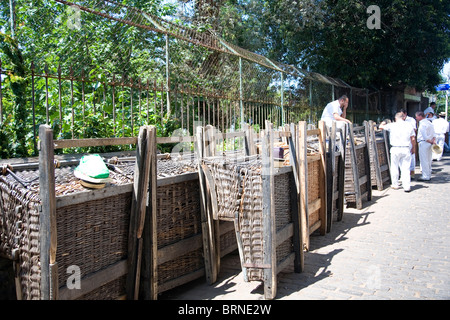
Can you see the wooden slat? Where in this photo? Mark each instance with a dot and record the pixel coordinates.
(281, 134)
(85, 196)
(94, 281)
(96, 142)
(323, 178)
(341, 171)
(315, 226)
(313, 132)
(303, 177)
(179, 248)
(373, 141)
(299, 261)
(138, 208)
(206, 234)
(314, 205)
(269, 231)
(313, 158)
(174, 139)
(286, 262)
(284, 234)
(47, 219)
(181, 280)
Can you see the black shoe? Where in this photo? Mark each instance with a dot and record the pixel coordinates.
(409, 190)
(422, 179)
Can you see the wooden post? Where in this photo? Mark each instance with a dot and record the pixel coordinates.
(376, 161)
(213, 220)
(387, 145)
(323, 179)
(47, 217)
(150, 242)
(269, 227)
(331, 177)
(137, 215)
(367, 163)
(299, 262)
(303, 176)
(206, 231)
(341, 171)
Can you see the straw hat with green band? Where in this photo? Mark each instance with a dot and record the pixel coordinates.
(92, 169)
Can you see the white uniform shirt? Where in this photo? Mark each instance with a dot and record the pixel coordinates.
(412, 121)
(440, 126)
(400, 133)
(425, 131)
(330, 109)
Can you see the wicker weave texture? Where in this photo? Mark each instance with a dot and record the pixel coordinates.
(178, 218)
(20, 230)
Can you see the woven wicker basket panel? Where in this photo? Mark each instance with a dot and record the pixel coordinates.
(178, 218)
(283, 213)
(336, 185)
(313, 188)
(382, 157)
(92, 235)
(284, 250)
(360, 161)
(313, 180)
(349, 181)
(111, 291)
(228, 182)
(183, 265)
(228, 240)
(251, 224)
(178, 212)
(21, 231)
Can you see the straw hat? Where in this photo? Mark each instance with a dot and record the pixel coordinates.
(436, 149)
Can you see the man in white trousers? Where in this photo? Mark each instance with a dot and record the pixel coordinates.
(401, 138)
(440, 129)
(426, 139)
(413, 123)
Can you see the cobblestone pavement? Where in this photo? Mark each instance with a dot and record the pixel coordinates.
(396, 247)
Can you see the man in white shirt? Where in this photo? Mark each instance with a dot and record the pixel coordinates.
(336, 111)
(426, 139)
(430, 111)
(401, 135)
(413, 123)
(440, 129)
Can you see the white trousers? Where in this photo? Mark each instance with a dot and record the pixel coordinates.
(440, 139)
(425, 158)
(401, 159)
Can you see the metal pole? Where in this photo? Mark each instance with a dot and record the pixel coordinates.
(446, 104)
(167, 74)
(241, 103)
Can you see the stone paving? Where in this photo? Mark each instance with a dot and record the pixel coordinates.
(396, 247)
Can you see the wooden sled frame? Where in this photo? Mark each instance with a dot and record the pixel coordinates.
(365, 179)
(335, 173)
(50, 289)
(308, 206)
(377, 180)
(271, 237)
